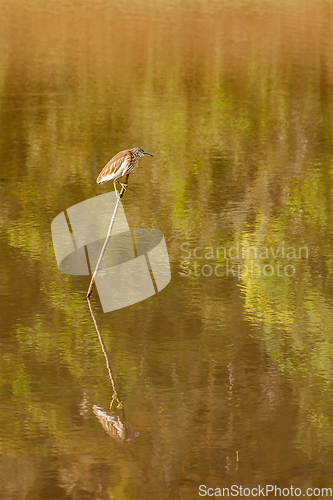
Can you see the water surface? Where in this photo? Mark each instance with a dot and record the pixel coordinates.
(224, 377)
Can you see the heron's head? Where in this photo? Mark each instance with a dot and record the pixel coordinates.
(141, 152)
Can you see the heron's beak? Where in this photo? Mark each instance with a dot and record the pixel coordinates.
(147, 154)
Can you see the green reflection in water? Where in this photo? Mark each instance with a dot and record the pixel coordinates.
(235, 104)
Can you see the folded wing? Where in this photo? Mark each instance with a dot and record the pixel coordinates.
(115, 168)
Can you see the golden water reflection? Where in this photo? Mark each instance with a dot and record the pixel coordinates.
(234, 101)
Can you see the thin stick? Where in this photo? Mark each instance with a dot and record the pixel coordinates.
(108, 236)
(115, 394)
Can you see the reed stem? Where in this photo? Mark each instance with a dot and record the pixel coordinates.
(108, 236)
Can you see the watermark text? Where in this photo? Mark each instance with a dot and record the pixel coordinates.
(268, 490)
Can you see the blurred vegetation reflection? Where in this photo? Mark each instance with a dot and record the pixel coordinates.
(235, 103)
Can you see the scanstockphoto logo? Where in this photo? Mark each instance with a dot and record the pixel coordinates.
(269, 490)
(135, 265)
(239, 261)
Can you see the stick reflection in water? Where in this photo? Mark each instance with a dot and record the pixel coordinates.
(113, 422)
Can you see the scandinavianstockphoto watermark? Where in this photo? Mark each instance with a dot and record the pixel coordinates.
(239, 261)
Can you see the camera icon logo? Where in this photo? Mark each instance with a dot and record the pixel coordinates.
(135, 265)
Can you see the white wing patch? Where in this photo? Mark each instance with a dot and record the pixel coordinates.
(115, 175)
(123, 168)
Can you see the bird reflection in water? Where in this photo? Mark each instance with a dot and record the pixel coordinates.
(113, 421)
(115, 425)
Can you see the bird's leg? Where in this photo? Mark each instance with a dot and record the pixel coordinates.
(115, 398)
(115, 188)
(125, 184)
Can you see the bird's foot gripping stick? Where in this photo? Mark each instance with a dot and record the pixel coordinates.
(123, 185)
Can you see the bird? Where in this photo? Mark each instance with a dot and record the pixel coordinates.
(121, 164)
